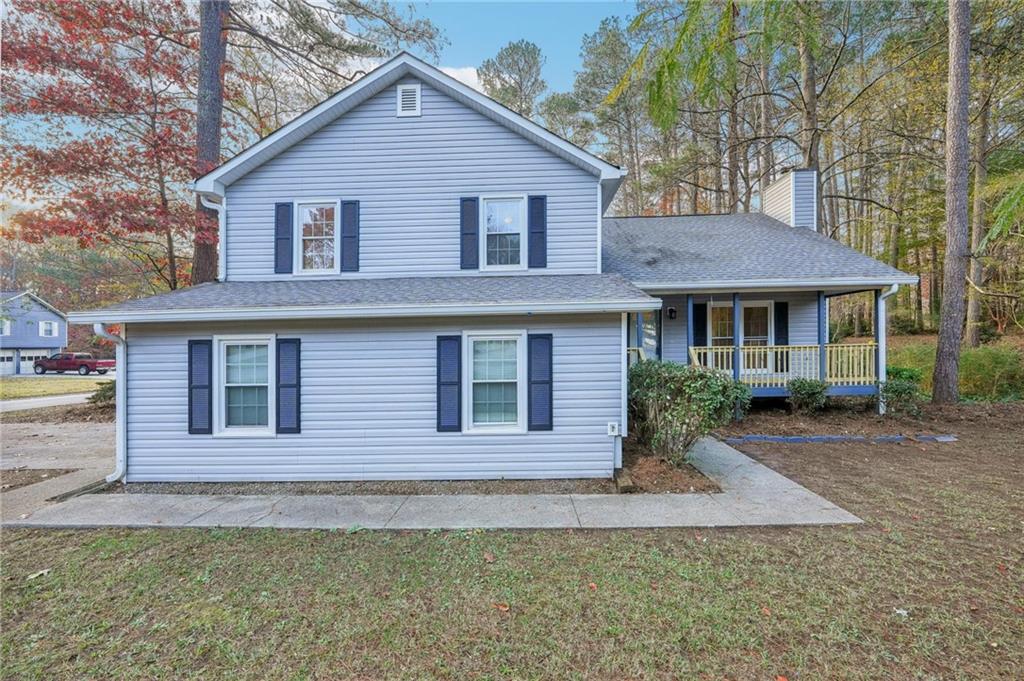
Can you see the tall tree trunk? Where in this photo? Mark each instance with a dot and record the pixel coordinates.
(765, 160)
(209, 109)
(810, 135)
(945, 388)
(977, 276)
(732, 154)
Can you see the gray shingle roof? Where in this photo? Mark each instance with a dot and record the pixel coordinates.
(429, 295)
(703, 249)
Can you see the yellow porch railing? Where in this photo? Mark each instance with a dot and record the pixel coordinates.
(851, 364)
(774, 366)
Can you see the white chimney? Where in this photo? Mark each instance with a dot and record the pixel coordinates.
(793, 198)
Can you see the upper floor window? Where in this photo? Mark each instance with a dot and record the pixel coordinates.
(318, 228)
(5, 327)
(48, 329)
(504, 225)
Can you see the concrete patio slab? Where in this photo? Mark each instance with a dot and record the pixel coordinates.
(752, 494)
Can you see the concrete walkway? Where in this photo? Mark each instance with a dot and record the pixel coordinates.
(38, 402)
(752, 495)
(86, 448)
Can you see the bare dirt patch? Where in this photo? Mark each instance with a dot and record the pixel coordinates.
(859, 418)
(71, 413)
(21, 477)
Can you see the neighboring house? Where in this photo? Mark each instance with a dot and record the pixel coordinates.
(30, 329)
(416, 282)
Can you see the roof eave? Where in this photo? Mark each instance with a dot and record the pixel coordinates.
(741, 285)
(360, 312)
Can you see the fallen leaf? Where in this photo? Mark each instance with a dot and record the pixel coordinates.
(654, 586)
(489, 557)
(592, 586)
(915, 517)
(780, 677)
(41, 573)
(1001, 567)
(766, 612)
(503, 607)
(886, 529)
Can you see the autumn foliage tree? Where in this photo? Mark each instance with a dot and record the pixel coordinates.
(99, 92)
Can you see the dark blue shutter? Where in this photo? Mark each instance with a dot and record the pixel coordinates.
(449, 383)
(700, 324)
(781, 323)
(349, 236)
(537, 220)
(200, 383)
(539, 370)
(469, 231)
(289, 382)
(282, 238)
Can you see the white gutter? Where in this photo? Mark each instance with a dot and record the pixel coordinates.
(360, 311)
(222, 252)
(120, 405)
(700, 286)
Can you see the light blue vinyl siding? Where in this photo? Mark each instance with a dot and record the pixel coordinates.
(25, 316)
(803, 319)
(368, 406)
(408, 175)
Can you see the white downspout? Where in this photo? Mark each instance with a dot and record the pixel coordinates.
(222, 253)
(880, 322)
(120, 405)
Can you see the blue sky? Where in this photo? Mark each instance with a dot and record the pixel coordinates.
(477, 30)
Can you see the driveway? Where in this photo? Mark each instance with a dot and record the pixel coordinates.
(38, 402)
(85, 448)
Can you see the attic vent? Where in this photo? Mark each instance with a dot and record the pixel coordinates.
(409, 100)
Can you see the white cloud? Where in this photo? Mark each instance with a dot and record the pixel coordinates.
(466, 74)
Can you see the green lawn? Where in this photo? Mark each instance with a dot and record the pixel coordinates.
(929, 587)
(32, 386)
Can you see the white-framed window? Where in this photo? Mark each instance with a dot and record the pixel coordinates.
(317, 232)
(757, 324)
(5, 327)
(495, 382)
(48, 329)
(503, 241)
(407, 100)
(244, 400)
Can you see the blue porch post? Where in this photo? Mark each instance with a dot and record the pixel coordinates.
(822, 338)
(736, 321)
(689, 325)
(639, 333)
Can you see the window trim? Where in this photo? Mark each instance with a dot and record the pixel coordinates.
(524, 233)
(220, 429)
(398, 100)
(468, 337)
(297, 268)
(43, 324)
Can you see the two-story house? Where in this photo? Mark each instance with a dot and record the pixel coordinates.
(30, 329)
(416, 282)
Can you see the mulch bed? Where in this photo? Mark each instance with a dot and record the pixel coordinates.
(21, 477)
(71, 413)
(655, 475)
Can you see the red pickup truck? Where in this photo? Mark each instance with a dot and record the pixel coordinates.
(82, 362)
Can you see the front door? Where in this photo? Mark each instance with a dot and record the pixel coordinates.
(756, 333)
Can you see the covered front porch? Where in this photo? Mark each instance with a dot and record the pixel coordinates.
(765, 339)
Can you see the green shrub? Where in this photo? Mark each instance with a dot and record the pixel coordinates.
(904, 374)
(672, 405)
(902, 396)
(991, 372)
(807, 395)
(104, 394)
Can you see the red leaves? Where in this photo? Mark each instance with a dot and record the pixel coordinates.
(489, 557)
(501, 607)
(592, 586)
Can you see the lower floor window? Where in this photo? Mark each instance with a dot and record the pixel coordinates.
(495, 381)
(245, 384)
